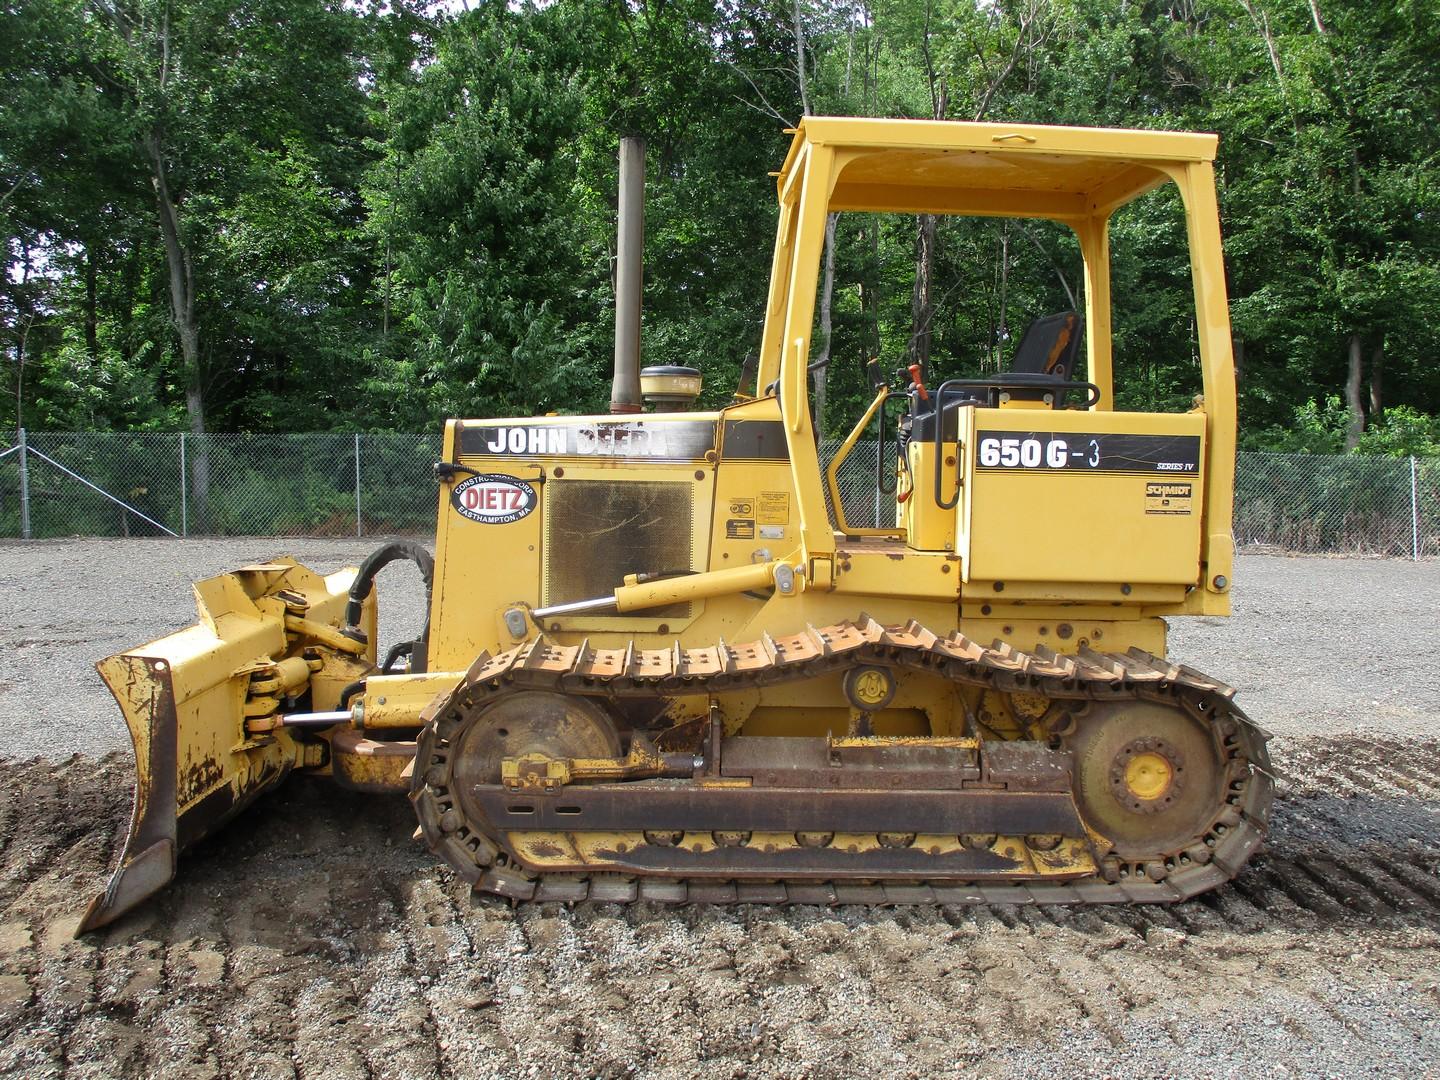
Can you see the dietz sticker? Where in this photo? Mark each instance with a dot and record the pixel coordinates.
(493, 499)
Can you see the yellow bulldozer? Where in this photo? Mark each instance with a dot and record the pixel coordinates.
(662, 664)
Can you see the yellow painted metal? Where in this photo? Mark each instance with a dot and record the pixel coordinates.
(929, 526)
(872, 687)
(1063, 629)
(1084, 547)
(1217, 361)
(817, 541)
(337, 671)
(1080, 525)
(890, 568)
(1076, 176)
(542, 774)
(736, 579)
(328, 635)
(396, 701)
(370, 765)
(270, 683)
(277, 678)
(1041, 557)
(184, 701)
(832, 472)
(1148, 776)
(481, 570)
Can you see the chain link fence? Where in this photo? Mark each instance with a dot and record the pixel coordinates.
(1343, 503)
(335, 484)
(153, 483)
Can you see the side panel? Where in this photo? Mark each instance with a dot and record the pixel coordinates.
(481, 566)
(578, 469)
(1061, 496)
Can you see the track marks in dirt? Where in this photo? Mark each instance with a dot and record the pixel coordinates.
(312, 939)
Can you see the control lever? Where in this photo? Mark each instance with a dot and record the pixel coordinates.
(917, 382)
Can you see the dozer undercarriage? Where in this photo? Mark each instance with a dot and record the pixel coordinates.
(574, 721)
(1124, 778)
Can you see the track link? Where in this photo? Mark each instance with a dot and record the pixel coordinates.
(1234, 835)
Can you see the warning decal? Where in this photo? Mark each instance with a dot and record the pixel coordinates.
(740, 529)
(1172, 498)
(773, 508)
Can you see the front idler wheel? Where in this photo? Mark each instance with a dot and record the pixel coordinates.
(475, 743)
(1150, 778)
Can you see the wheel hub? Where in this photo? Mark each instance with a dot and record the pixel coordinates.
(1145, 775)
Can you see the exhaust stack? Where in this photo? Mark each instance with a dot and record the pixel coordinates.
(625, 390)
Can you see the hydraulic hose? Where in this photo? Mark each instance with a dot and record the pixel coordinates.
(378, 559)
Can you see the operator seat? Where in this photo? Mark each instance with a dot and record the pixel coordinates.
(1045, 356)
(1049, 345)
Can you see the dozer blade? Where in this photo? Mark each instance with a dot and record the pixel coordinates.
(199, 727)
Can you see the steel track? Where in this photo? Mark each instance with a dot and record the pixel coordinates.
(1214, 857)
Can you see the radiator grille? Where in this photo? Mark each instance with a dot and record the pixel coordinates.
(597, 531)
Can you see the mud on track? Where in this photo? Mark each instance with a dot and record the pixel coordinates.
(315, 939)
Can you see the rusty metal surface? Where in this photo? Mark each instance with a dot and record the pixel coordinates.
(147, 861)
(361, 764)
(1029, 765)
(1234, 824)
(200, 708)
(778, 761)
(747, 862)
(686, 806)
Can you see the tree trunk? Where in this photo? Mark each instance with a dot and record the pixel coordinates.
(182, 314)
(1356, 425)
(800, 59)
(22, 337)
(1377, 371)
(1004, 332)
(24, 320)
(92, 321)
(827, 290)
(870, 295)
(922, 299)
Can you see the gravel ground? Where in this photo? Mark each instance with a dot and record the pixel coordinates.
(314, 939)
(1316, 646)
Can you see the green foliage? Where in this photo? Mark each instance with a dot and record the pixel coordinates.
(1318, 427)
(394, 214)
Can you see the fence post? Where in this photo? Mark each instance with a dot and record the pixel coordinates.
(184, 487)
(358, 520)
(1414, 511)
(24, 488)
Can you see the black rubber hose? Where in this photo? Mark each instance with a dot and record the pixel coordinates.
(397, 650)
(351, 689)
(380, 558)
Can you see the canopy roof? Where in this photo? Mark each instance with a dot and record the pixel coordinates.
(1012, 170)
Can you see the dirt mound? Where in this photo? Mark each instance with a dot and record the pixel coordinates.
(314, 938)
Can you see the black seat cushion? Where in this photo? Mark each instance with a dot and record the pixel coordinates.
(1049, 346)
